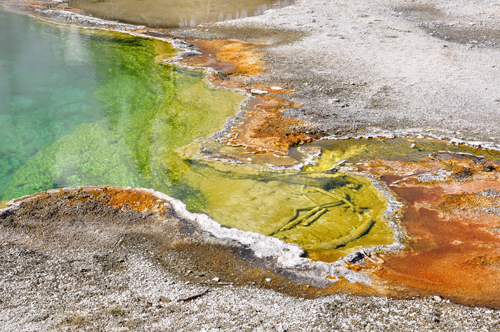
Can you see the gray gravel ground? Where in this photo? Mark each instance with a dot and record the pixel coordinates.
(413, 65)
(86, 266)
(142, 296)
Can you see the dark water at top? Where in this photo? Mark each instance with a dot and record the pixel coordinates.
(177, 13)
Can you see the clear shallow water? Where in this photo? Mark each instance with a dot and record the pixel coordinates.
(177, 13)
(86, 107)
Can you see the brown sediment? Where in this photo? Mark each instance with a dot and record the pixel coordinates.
(454, 250)
(454, 254)
(454, 221)
(142, 201)
(263, 130)
(474, 202)
(228, 57)
(462, 168)
(342, 285)
(241, 269)
(106, 220)
(113, 197)
(485, 261)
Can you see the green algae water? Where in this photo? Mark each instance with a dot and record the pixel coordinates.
(85, 107)
(320, 211)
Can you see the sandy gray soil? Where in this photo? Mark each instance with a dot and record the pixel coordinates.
(70, 261)
(407, 65)
(427, 66)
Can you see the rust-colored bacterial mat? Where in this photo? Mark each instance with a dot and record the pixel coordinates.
(453, 218)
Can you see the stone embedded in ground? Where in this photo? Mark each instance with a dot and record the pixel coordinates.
(258, 92)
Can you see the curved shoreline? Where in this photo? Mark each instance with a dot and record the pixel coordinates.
(190, 50)
(285, 255)
(275, 249)
(335, 311)
(88, 253)
(394, 208)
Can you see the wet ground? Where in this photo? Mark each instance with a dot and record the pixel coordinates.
(453, 220)
(450, 222)
(109, 110)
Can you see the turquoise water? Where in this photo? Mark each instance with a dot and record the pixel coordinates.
(85, 107)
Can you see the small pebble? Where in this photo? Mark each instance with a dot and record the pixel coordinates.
(437, 298)
(216, 279)
(268, 279)
(277, 88)
(489, 168)
(258, 92)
